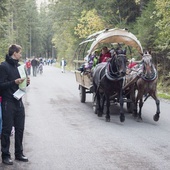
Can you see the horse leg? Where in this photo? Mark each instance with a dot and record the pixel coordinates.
(108, 107)
(99, 108)
(135, 110)
(122, 116)
(156, 116)
(134, 103)
(103, 102)
(139, 118)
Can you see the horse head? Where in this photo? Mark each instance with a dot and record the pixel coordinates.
(116, 67)
(149, 71)
(121, 64)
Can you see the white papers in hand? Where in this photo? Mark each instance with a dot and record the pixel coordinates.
(22, 73)
(18, 94)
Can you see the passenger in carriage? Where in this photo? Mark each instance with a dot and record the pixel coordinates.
(95, 58)
(95, 61)
(90, 62)
(105, 55)
(136, 66)
(132, 63)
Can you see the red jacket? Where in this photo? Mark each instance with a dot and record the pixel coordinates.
(132, 64)
(104, 57)
(28, 64)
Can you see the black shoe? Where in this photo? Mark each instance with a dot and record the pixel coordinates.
(21, 158)
(7, 161)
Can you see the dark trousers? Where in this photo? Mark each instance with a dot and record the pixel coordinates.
(13, 114)
(29, 71)
(34, 70)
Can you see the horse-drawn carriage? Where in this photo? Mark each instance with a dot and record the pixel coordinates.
(107, 80)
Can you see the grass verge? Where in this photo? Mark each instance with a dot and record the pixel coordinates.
(164, 96)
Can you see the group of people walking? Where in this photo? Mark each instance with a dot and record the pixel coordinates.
(36, 64)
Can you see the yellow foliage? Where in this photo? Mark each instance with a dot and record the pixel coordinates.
(89, 23)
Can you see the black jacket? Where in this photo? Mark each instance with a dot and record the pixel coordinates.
(8, 74)
(34, 63)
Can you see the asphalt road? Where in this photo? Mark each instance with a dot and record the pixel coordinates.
(61, 133)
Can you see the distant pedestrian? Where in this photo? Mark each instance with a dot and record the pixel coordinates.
(28, 66)
(48, 61)
(63, 64)
(40, 67)
(34, 64)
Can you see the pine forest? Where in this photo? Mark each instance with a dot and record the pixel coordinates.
(54, 29)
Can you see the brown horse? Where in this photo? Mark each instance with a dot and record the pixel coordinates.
(146, 85)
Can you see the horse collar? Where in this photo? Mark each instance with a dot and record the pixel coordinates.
(113, 76)
(150, 79)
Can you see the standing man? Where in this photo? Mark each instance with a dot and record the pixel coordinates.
(34, 64)
(63, 64)
(13, 111)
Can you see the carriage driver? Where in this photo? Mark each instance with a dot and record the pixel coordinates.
(105, 55)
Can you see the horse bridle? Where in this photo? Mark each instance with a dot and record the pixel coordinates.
(153, 74)
(110, 74)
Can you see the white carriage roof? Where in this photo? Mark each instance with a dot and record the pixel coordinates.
(116, 36)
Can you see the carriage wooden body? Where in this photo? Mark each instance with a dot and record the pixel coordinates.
(108, 37)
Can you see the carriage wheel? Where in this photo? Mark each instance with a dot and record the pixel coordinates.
(82, 93)
(94, 103)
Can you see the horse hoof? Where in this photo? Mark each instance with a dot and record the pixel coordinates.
(107, 119)
(99, 115)
(139, 119)
(156, 117)
(122, 118)
(134, 116)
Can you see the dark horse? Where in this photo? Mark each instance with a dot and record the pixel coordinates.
(146, 85)
(108, 81)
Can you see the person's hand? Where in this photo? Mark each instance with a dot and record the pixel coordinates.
(28, 81)
(19, 80)
(108, 59)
